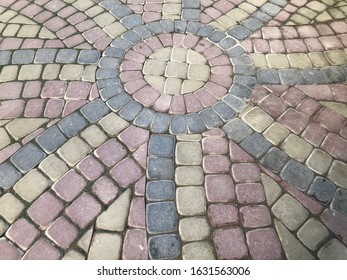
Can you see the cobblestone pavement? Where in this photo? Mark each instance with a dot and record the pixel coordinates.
(173, 129)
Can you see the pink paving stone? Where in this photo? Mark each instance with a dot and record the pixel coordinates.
(94, 34)
(111, 152)
(91, 168)
(43, 16)
(261, 46)
(133, 143)
(151, 16)
(264, 244)
(69, 186)
(11, 90)
(250, 193)
(216, 164)
(308, 107)
(331, 42)
(190, 41)
(45, 209)
(212, 52)
(85, 25)
(222, 80)
(126, 172)
(94, 92)
(277, 89)
(212, 12)
(72, 106)
(154, 43)
(137, 213)
(133, 86)
(248, 45)
(141, 155)
(128, 76)
(42, 250)
(54, 24)
(339, 26)
(324, 29)
(5, 153)
(62, 232)
(273, 105)
(214, 132)
(343, 39)
(9, 251)
(216, 90)
(307, 31)
(313, 45)
(221, 215)
(230, 243)
(19, 5)
(67, 11)
(129, 65)
(259, 93)
(340, 92)
(336, 223)
(215, 146)
(103, 43)
(219, 188)
(143, 49)
(293, 96)
(205, 18)
(140, 186)
(282, 16)
(135, 56)
(34, 108)
(77, 90)
(335, 146)
(76, 18)
(314, 133)
(319, 92)
(135, 245)
(54, 44)
(178, 39)
(83, 210)
(54, 108)
(289, 32)
(329, 119)
(255, 216)
(22, 233)
(294, 120)
(223, 5)
(55, 5)
(205, 97)
(271, 33)
(295, 46)
(32, 135)
(153, 7)
(11, 109)
(256, 34)
(163, 103)
(11, 44)
(32, 89)
(177, 105)
(192, 103)
(245, 172)
(219, 60)
(7, 3)
(74, 40)
(343, 131)
(105, 189)
(277, 46)
(237, 154)
(202, 46)
(222, 70)
(54, 89)
(32, 44)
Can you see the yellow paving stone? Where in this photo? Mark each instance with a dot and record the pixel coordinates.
(11, 30)
(179, 54)
(336, 13)
(89, 73)
(162, 54)
(2, 26)
(299, 60)
(278, 61)
(308, 13)
(172, 9)
(8, 73)
(20, 128)
(226, 21)
(74, 150)
(201, 250)
(336, 57)
(71, 72)
(104, 19)
(237, 14)
(297, 18)
(333, 250)
(248, 8)
(318, 59)
(316, 6)
(319, 161)
(276, 133)
(191, 86)
(312, 233)
(83, 5)
(338, 173)
(171, 17)
(105, 246)
(94, 11)
(157, 82)
(296, 147)
(191, 201)
(194, 229)
(10, 207)
(113, 124)
(46, 34)
(257, 3)
(323, 17)
(4, 138)
(154, 67)
(29, 31)
(258, 119)
(115, 29)
(188, 153)
(51, 72)
(219, 26)
(53, 167)
(85, 240)
(259, 60)
(272, 189)
(189, 176)
(199, 72)
(30, 72)
(94, 136)
(73, 255)
(340, 108)
(173, 86)
(31, 185)
(195, 57)
(176, 70)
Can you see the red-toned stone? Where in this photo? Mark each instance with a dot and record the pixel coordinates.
(318, 92)
(42, 250)
(259, 93)
(205, 97)
(133, 143)
(214, 132)
(126, 172)
(5, 153)
(54, 89)
(135, 245)
(261, 46)
(340, 92)
(94, 34)
(336, 223)
(105, 189)
(215, 146)
(277, 46)
(190, 41)
(314, 134)
(141, 155)
(177, 105)
(11, 44)
(219, 188)
(314, 45)
(22, 233)
(54, 108)
(219, 60)
(135, 56)
(154, 43)
(111, 152)
(289, 32)
(140, 186)
(222, 80)
(62, 232)
(343, 131)
(324, 29)
(293, 96)
(335, 146)
(237, 154)
(11, 90)
(192, 103)
(32, 89)
(250, 193)
(84, 25)
(147, 96)
(308, 107)
(127, 76)
(277, 89)
(222, 215)
(178, 39)
(73, 105)
(54, 24)
(165, 39)
(216, 90)
(273, 105)
(91, 168)
(330, 120)
(137, 213)
(264, 244)
(78, 90)
(34, 108)
(255, 216)
(295, 46)
(222, 70)
(216, 164)
(163, 103)
(294, 120)
(307, 31)
(133, 86)
(8, 251)
(245, 172)
(230, 243)
(143, 49)
(331, 42)
(11, 109)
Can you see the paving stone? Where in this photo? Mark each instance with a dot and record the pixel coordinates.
(160, 168)
(9, 251)
(188, 153)
(195, 124)
(250, 193)
(191, 201)
(144, 118)
(268, 76)
(42, 250)
(297, 175)
(73, 151)
(219, 188)
(23, 56)
(135, 245)
(10, 207)
(113, 124)
(257, 119)
(45, 55)
(5, 57)
(319, 161)
(66, 56)
(8, 175)
(237, 130)
(72, 124)
(333, 74)
(94, 110)
(160, 190)
(201, 250)
(189, 175)
(271, 188)
(339, 203)
(51, 139)
(19, 128)
(105, 246)
(333, 250)
(210, 118)
(73, 255)
(178, 124)
(337, 174)
(91, 168)
(256, 145)
(27, 157)
(313, 233)
(94, 136)
(239, 32)
(164, 247)
(275, 159)
(216, 164)
(126, 172)
(161, 145)
(161, 217)
(322, 189)
(194, 229)
(53, 167)
(276, 133)
(255, 216)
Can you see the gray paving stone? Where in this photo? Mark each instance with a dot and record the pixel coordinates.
(322, 189)
(239, 32)
(242, 60)
(195, 124)
(160, 168)
(131, 110)
(5, 57)
(114, 52)
(102, 83)
(110, 4)
(161, 217)
(164, 247)
(121, 43)
(236, 51)
(95, 110)
(344, 69)
(191, 14)
(281, 3)
(180, 26)
(167, 25)
(160, 190)
(66, 56)
(210, 118)
(109, 62)
(88, 57)
(27, 157)
(132, 37)
(8, 175)
(334, 74)
(118, 102)
(270, 9)
(106, 73)
(121, 11)
(160, 123)
(72, 124)
(143, 31)
(313, 76)
(178, 124)
(51, 139)
(194, 4)
(224, 111)
(275, 159)
(248, 70)
(243, 80)
(155, 27)
(193, 27)
(109, 92)
(205, 31)
(132, 21)
(297, 175)
(252, 24)
(227, 43)
(291, 77)
(161, 145)
(237, 130)
(23, 57)
(268, 77)
(261, 16)
(339, 203)
(241, 91)
(45, 55)
(234, 102)
(256, 145)
(144, 118)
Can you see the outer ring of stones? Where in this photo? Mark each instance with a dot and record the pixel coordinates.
(123, 103)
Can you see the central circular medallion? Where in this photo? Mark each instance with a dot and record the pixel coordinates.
(176, 70)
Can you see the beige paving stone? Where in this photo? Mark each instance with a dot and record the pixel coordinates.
(276, 133)
(162, 54)
(157, 82)
(299, 19)
(259, 60)
(188, 153)
(8, 73)
(257, 3)
(272, 189)
(4, 138)
(73, 151)
(172, 9)
(10, 207)
(290, 212)
(189, 137)
(94, 136)
(191, 201)
(6, 16)
(46, 34)
(339, 108)
(3, 227)
(11, 30)
(278, 61)
(115, 29)
(105, 246)
(21, 20)
(51, 72)
(194, 229)
(333, 250)
(226, 22)
(248, 8)
(199, 72)
(83, 5)
(176, 70)
(296, 147)
(201, 250)
(219, 26)
(53, 167)
(189, 176)
(71, 72)
(154, 67)
(258, 119)
(104, 19)
(292, 247)
(312, 233)
(74, 255)
(31, 186)
(89, 73)
(318, 59)
(115, 217)
(2, 26)
(323, 17)
(179, 54)
(113, 124)
(307, 13)
(30, 72)
(336, 57)
(173, 86)
(191, 86)
(195, 57)
(336, 13)
(338, 173)
(237, 14)
(20, 128)
(316, 6)
(85, 240)
(94, 11)
(29, 31)
(299, 60)
(319, 161)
